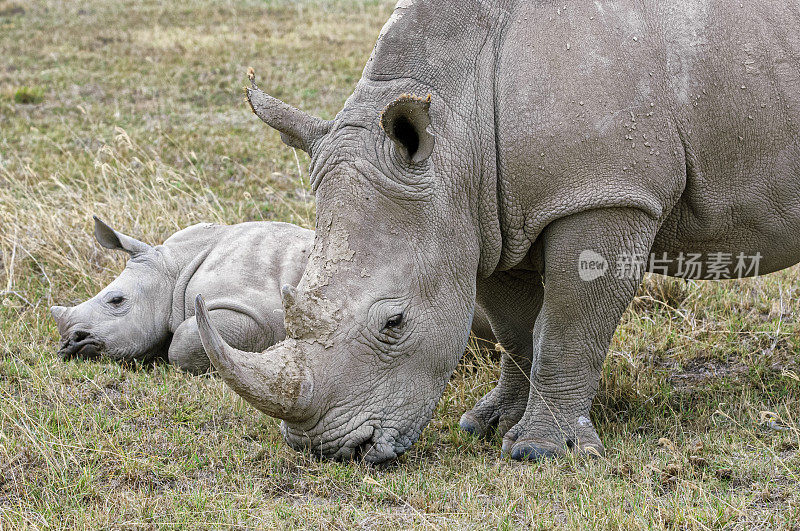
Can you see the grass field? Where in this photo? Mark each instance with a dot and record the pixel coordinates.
(134, 111)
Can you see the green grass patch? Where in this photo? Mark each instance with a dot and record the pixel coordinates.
(28, 95)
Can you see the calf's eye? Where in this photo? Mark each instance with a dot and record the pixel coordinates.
(116, 301)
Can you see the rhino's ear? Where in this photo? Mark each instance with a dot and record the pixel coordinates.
(111, 239)
(406, 122)
(298, 129)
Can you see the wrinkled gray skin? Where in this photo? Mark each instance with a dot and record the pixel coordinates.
(148, 310)
(552, 128)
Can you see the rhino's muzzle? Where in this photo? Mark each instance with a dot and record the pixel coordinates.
(276, 381)
(82, 345)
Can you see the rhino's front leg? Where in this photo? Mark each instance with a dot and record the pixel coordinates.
(238, 329)
(580, 313)
(512, 300)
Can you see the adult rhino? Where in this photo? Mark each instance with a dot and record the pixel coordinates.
(487, 146)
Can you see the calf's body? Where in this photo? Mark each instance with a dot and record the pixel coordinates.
(148, 310)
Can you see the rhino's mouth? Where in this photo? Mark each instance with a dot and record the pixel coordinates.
(81, 346)
(369, 442)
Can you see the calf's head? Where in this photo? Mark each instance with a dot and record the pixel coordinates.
(129, 319)
(382, 313)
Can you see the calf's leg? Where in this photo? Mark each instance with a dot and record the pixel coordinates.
(238, 329)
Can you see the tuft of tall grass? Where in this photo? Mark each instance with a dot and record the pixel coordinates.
(47, 219)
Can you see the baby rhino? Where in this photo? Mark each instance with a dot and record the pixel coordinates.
(148, 311)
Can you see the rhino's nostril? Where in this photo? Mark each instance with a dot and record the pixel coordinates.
(79, 336)
(362, 449)
(80, 343)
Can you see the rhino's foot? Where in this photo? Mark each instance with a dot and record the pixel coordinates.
(496, 412)
(537, 437)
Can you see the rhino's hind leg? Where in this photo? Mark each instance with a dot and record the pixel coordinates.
(511, 300)
(240, 330)
(580, 313)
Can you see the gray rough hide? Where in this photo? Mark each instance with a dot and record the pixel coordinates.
(486, 146)
(148, 310)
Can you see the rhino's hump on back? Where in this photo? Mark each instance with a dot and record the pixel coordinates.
(187, 243)
(432, 41)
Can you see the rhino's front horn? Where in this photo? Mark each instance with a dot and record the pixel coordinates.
(275, 381)
(58, 312)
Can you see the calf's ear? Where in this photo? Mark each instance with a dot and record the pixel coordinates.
(111, 239)
(405, 121)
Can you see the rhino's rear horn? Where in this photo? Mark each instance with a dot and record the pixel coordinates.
(276, 381)
(288, 296)
(297, 129)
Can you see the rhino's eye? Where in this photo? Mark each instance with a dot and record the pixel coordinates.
(117, 300)
(394, 321)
